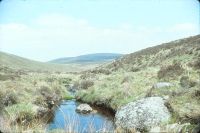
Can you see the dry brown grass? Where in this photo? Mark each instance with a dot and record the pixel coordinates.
(171, 71)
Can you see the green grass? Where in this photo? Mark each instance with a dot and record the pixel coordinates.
(68, 97)
(111, 89)
(22, 111)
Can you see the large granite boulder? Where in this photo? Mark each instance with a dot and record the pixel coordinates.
(142, 114)
(84, 108)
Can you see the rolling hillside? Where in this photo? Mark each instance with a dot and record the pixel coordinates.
(134, 76)
(183, 50)
(96, 58)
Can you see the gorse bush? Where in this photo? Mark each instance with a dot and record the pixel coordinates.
(85, 84)
(171, 71)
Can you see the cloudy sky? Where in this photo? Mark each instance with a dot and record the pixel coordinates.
(47, 29)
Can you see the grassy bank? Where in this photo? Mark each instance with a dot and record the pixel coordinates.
(133, 76)
(26, 98)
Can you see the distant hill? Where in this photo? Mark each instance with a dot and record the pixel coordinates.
(17, 62)
(20, 63)
(88, 59)
(73, 64)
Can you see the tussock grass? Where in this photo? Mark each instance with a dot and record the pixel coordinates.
(21, 98)
(171, 71)
(119, 88)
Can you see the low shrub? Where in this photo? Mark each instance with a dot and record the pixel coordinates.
(102, 71)
(197, 94)
(185, 82)
(196, 64)
(44, 90)
(6, 77)
(50, 79)
(126, 79)
(65, 81)
(1, 99)
(85, 84)
(87, 75)
(40, 100)
(134, 69)
(9, 99)
(171, 71)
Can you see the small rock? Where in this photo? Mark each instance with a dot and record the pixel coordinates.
(84, 108)
(172, 128)
(166, 97)
(50, 104)
(162, 85)
(155, 130)
(41, 111)
(94, 111)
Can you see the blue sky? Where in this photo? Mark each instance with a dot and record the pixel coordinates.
(48, 29)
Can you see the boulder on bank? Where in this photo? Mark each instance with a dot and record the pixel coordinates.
(84, 108)
(159, 89)
(173, 128)
(162, 85)
(142, 114)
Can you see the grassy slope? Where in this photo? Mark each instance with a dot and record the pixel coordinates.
(132, 77)
(17, 62)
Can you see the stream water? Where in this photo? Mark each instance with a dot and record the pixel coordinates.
(66, 117)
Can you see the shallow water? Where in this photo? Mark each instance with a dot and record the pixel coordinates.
(65, 117)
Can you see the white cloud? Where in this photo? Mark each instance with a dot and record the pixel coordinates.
(66, 36)
(184, 27)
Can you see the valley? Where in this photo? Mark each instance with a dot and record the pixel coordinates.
(164, 80)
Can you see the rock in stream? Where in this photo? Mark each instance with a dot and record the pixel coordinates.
(84, 108)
